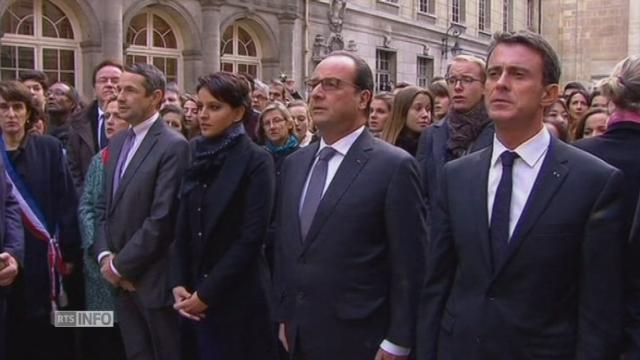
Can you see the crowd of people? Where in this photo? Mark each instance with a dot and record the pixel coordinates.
(491, 215)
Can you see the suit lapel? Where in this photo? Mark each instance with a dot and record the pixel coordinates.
(479, 201)
(350, 167)
(552, 174)
(225, 185)
(141, 153)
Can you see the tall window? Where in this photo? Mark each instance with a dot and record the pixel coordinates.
(484, 15)
(385, 70)
(152, 40)
(457, 11)
(530, 14)
(38, 35)
(427, 6)
(506, 15)
(425, 71)
(240, 52)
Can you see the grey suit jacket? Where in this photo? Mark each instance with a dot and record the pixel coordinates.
(137, 223)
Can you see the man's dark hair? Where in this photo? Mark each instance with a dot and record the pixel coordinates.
(35, 75)
(105, 63)
(550, 62)
(153, 78)
(73, 95)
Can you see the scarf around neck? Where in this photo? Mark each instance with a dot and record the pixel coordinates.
(464, 129)
(289, 146)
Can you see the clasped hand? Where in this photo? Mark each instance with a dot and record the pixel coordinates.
(188, 305)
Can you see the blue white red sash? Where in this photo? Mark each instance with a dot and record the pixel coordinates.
(35, 223)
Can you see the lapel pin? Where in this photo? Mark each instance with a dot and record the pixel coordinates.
(556, 174)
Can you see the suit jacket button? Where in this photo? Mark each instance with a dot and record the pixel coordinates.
(198, 209)
(200, 234)
(478, 340)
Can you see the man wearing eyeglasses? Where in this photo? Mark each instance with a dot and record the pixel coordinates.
(88, 134)
(465, 129)
(350, 229)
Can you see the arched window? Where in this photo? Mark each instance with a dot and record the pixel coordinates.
(38, 34)
(152, 40)
(239, 50)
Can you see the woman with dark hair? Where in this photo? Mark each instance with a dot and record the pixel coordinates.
(38, 169)
(412, 113)
(218, 273)
(598, 100)
(441, 98)
(556, 118)
(173, 116)
(381, 106)
(593, 123)
(277, 132)
(578, 104)
(190, 108)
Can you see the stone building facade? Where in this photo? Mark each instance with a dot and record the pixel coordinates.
(591, 36)
(403, 40)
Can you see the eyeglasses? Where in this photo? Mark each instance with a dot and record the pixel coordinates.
(16, 106)
(327, 84)
(464, 80)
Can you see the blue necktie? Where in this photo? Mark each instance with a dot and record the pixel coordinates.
(499, 228)
(122, 159)
(102, 133)
(314, 189)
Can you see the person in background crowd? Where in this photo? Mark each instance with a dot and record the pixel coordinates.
(292, 89)
(412, 113)
(173, 116)
(278, 92)
(38, 169)
(572, 87)
(526, 256)
(278, 134)
(87, 135)
(399, 86)
(37, 82)
(558, 111)
(381, 107)
(190, 108)
(441, 98)
(302, 118)
(217, 273)
(557, 129)
(172, 95)
(62, 102)
(618, 146)
(260, 96)
(349, 230)
(136, 217)
(578, 104)
(466, 128)
(103, 343)
(598, 101)
(592, 123)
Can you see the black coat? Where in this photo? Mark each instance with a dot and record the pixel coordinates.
(82, 143)
(220, 231)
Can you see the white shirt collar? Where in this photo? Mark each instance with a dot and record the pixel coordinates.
(531, 151)
(144, 126)
(343, 145)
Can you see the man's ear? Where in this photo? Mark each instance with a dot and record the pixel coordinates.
(158, 96)
(365, 98)
(550, 94)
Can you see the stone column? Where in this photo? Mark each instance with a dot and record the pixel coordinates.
(112, 29)
(286, 22)
(192, 65)
(211, 34)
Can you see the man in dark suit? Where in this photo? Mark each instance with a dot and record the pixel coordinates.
(526, 258)
(349, 230)
(137, 216)
(465, 129)
(87, 135)
(11, 245)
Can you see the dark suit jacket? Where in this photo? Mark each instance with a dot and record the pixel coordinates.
(618, 146)
(137, 224)
(354, 280)
(432, 155)
(11, 230)
(220, 231)
(556, 295)
(82, 143)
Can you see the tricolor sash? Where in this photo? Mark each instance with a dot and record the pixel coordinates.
(35, 223)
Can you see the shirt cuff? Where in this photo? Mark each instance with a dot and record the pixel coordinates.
(394, 349)
(113, 268)
(102, 255)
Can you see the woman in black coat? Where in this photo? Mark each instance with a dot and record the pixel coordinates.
(218, 273)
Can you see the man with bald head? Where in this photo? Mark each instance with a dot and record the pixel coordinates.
(349, 230)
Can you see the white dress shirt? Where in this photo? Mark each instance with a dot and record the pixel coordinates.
(101, 120)
(341, 147)
(526, 167)
(141, 131)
